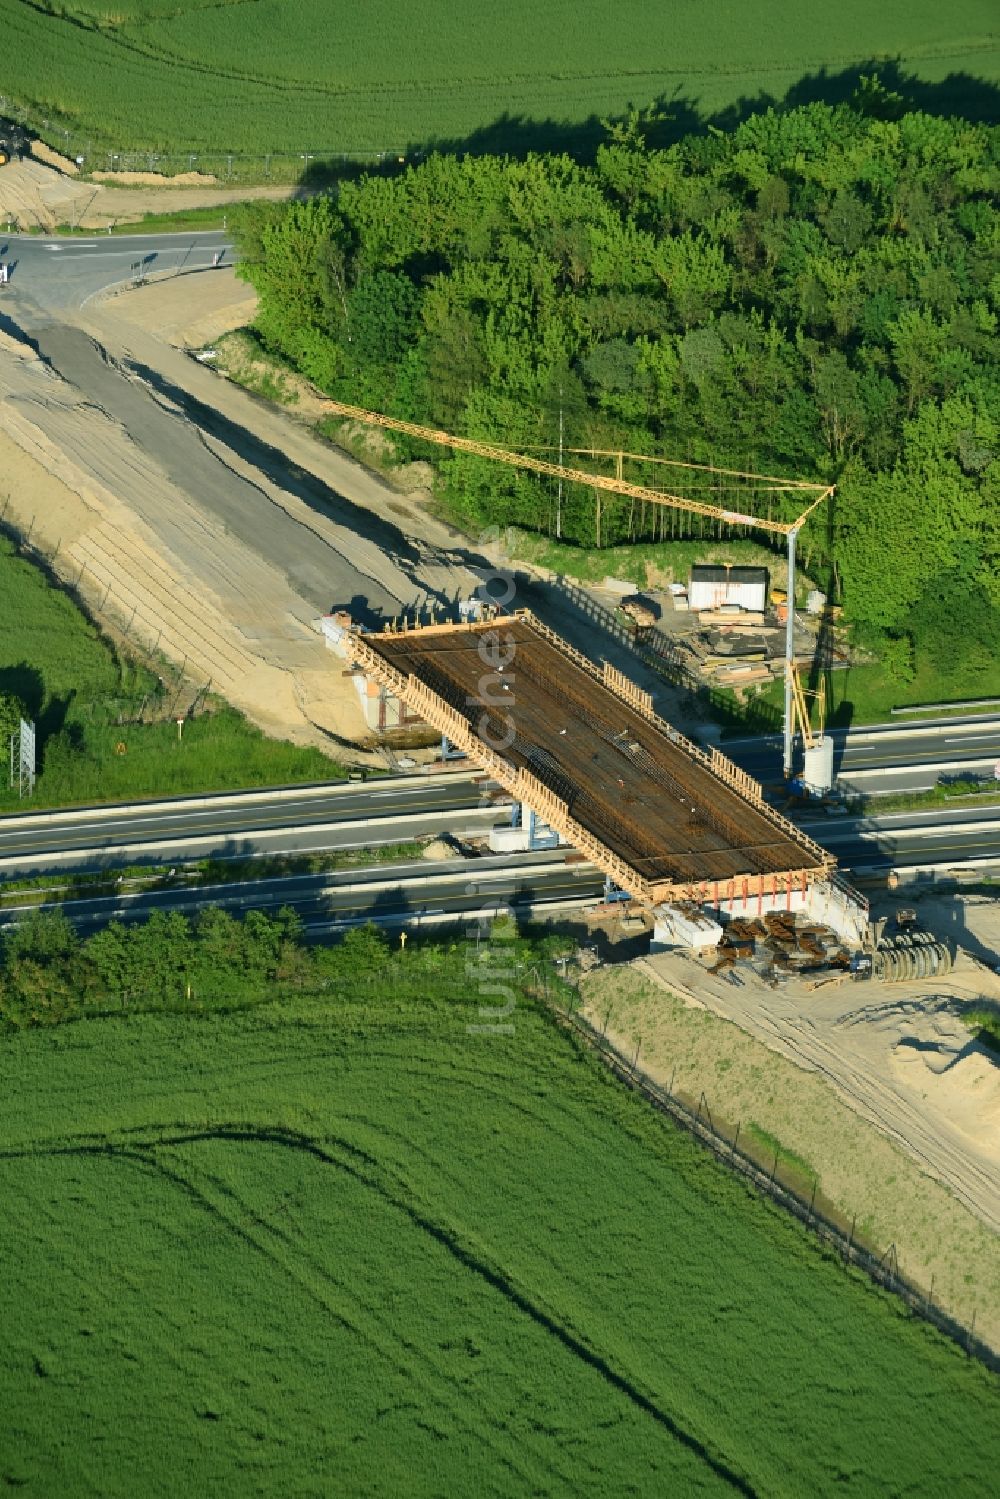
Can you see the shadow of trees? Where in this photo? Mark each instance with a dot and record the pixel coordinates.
(671, 116)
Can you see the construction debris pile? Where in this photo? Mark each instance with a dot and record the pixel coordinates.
(781, 944)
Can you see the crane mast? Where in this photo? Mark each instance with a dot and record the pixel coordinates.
(816, 493)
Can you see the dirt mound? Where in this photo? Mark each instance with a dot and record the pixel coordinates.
(51, 158)
(156, 179)
(415, 478)
(440, 849)
(965, 1086)
(190, 311)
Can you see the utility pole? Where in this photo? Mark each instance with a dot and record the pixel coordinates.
(559, 494)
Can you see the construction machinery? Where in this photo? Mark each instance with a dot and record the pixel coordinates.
(808, 491)
(14, 142)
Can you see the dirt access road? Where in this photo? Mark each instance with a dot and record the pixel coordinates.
(898, 1053)
(210, 521)
(35, 196)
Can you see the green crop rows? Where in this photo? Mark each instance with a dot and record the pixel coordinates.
(311, 76)
(341, 1244)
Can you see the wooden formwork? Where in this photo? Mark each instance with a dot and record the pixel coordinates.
(524, 786)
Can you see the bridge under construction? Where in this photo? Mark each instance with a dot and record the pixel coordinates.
(582, 747)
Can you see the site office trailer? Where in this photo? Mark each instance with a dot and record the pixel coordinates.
(712, 587)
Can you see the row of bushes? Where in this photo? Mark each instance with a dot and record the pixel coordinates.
(48, 973)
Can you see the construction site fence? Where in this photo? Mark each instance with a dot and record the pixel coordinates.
(882, 1269)
(228, 166)
(104, 607)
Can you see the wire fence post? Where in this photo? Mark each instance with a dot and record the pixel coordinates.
(883, 1269)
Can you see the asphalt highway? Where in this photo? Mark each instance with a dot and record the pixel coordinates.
(897, 839)
(233, 813)
(302, 819)
(394, 895)
(894, 757)
(56, 275)
(344, 815)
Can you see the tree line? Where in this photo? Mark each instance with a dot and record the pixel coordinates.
(50, 974)
(813, 294)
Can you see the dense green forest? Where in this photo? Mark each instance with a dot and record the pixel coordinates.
(814, 294)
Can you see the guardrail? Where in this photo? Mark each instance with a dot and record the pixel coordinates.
(309, 789)
(972, 705)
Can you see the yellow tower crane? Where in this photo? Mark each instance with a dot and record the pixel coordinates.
(617, 484)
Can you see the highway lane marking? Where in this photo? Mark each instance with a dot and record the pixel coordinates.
(974, 816)
(874, 732)
(886, 770)
(187, 847)
(335, 884)
(142, 827)
(225, 800)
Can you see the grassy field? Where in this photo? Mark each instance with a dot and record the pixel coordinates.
(84, 701)
(343, 1244)
(306, 76)
(786, 1111)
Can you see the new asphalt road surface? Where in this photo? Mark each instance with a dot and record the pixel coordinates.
(52, 277)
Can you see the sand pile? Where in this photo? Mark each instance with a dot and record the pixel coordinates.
(53, 159)
(963, 1085)
(440, 848)
(156, 179)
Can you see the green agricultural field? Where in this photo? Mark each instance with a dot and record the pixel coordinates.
(316, 76)
(343, 1244)
(84, 701)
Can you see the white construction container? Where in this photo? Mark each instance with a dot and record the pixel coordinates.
(818, 772)
(717, 586)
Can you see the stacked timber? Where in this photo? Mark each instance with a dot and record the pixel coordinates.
(730, 614)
